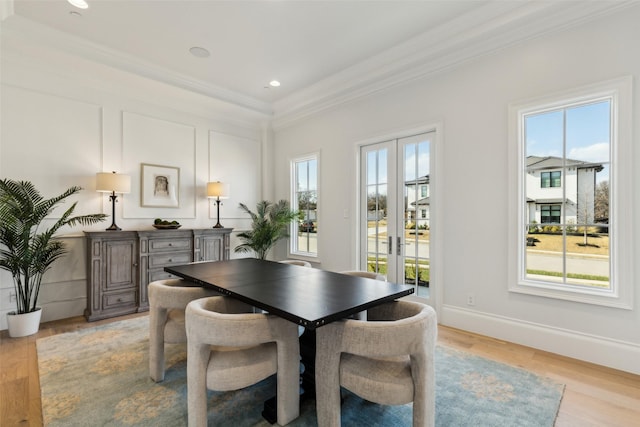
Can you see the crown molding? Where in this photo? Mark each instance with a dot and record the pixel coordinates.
(500, 25)
(486, 29)
(23, 28)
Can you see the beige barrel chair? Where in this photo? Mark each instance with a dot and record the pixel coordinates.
(229, 347)
(367, 275)
(387, 360)
(299, 262)
(168, 300)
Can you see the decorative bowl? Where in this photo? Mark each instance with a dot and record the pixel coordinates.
(167, 226)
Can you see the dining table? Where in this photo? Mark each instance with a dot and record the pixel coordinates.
(309, 297)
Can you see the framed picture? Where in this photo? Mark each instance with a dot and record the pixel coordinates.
(159, 186)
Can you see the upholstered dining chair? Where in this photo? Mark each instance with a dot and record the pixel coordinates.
(367, 275)
(168, 300)
(229, 347)
(387, 360)
(299, 262)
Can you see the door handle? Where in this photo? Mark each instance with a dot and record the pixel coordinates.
(390, 245)
(399, 245)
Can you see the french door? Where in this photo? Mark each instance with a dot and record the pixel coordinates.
(395, 206)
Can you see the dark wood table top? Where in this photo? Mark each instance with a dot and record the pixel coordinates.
(307, 296)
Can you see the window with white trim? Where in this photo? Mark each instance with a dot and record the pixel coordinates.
(304, 199)
(570, 222)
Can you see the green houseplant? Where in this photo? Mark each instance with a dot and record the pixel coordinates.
(26, 250)
(269, 224)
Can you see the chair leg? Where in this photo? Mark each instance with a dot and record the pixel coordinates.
(157, 320)
(288, 395)
(197, 360)
(327, 380)
(424, 403)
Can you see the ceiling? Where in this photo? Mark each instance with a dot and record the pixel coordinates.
(303, 44)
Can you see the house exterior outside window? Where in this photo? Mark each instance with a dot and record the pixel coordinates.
(546, 197)
(414, 204)
(570, 212)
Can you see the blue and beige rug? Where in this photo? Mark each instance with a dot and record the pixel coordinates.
(99, 377)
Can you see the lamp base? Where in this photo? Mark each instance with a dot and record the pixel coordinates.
(113, 199)
(218, 225)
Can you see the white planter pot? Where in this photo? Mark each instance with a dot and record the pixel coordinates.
(22, 325)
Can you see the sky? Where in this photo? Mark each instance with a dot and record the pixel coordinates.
(587, 133)
(588, 130)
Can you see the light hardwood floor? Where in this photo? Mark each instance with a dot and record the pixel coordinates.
(594, 395)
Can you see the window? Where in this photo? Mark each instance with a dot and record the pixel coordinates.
(304, 188)
(550, 179)
(424, 191)
(570, 215)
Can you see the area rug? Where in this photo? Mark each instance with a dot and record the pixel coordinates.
(100, 377)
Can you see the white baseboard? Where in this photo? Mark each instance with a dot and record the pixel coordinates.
(600, 350)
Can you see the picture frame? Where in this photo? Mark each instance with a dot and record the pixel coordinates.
(159, 186)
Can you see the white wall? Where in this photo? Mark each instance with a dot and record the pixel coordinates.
(63, 119)
(471, 102)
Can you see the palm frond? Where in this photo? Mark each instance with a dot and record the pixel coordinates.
(28, 253)
(269, 224)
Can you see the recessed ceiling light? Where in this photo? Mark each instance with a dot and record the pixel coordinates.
(80, 4)
(274, 83)
(200, 52)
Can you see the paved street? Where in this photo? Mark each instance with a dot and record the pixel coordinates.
(536, 260)
(589, 264)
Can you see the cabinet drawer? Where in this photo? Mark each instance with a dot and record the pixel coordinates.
(164, 245)
(120, 299)
(163, 260)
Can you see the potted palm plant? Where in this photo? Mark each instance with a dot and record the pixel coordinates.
(26, 250)
(269, 224)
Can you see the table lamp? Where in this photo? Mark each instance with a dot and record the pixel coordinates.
(113, 183)
(217, 190)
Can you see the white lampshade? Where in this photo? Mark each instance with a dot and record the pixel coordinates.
(217, 190)
(113, 182)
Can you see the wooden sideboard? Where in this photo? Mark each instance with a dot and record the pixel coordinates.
(121, 264)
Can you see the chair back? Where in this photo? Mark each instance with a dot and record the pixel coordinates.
(225, 321)
(392, 329)
(176, 293)
(299, 262)
(365, 274)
